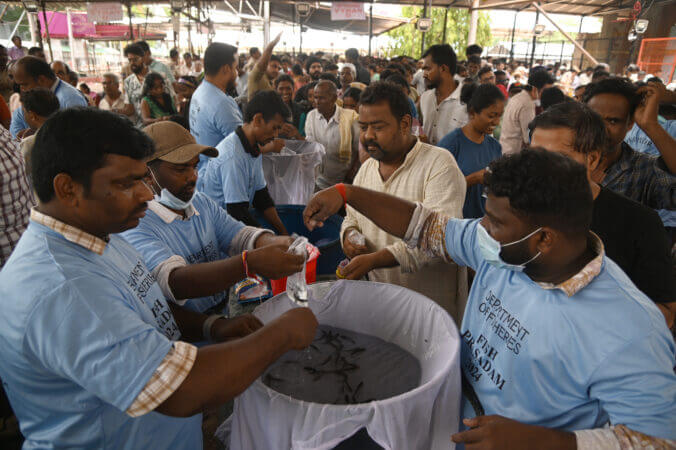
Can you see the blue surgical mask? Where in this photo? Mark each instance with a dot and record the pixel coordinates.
(490, 250)
(169, 200)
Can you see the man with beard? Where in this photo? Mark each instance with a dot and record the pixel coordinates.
(95, 356)
(235, 178)
(184, 233)
(403, 166)
(440, 106)
(213, 113)
(133, 84)
(265, 71)
(336, 128)
(313, 67)
(30, 73)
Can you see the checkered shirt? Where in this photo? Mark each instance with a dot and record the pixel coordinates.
(16, 197)
(643, 178)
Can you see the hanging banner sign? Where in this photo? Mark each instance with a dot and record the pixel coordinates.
(104, 12)
(347, 11)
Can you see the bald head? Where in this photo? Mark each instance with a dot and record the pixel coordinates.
(328, 85)
(60, 70)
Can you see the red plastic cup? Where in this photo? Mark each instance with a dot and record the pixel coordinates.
(279, 286)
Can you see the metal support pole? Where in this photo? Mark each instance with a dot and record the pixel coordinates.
(535, 39)
(131, 26)
(18, 22)
(579, 47)
(49, 40)
(266, 23)
(422, 40)
(511, 49)
(31, 27)
(561, 56)
(71, 41)
(370, 26)
(473, 22)
(443, 37)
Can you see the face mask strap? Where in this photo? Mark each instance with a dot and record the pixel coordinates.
(522, 239)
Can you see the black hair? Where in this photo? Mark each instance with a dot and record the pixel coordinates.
(499, 73)
(331, 67)
(301, 94)
(540, 78)
(253, 50)
(474, 59)
(310, 61)
(545, 188)
(181, 120)
(352, 54)
(40, 101)
(84, 86)
(35, 50)
(614, 85)
(442, 55)
(297, 70)
(330, 77)
(552, 96)
(149, 81)
(474, 49)
(588, 126)
(353, 93)
(483, 70)
(173, 53)
(600, 75)
(478, 97)
(655, 80)
(144, 45)
(187, 54)
(384, 91)
(268, 103)
(35, 67)
(399, 80)
(399, 68)
(218, 55)
(134, 49)
(284, 78)
(73, 76)
(275, 58)
(75, 141)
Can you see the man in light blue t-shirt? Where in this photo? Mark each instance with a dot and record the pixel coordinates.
(235, 178)
(556, 340)
(213, 113)
(30, 73)
(93, 356)
(188, 241)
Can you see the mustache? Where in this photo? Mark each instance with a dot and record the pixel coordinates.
(140, 209)
(372, 144)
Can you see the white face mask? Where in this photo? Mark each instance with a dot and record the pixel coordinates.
(168, 199)
(491, 248)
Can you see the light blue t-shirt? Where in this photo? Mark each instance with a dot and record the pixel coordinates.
(234, 176)
(639, 140)
(213, 115)
(68, 97)
(80, 336)
(540, 357)
(203, 237)
(471, 157)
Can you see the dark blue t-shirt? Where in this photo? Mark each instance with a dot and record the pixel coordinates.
(471, 157)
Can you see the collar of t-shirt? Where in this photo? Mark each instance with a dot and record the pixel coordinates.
(55, 86)
(167, 215)
(334, 118)
(251, 150)
(455, 95)
(70, 233)
(590, 271)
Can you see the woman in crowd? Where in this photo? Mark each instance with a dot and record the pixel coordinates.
(156, 104)
(185, 87)
(472, 145)
(351, 98)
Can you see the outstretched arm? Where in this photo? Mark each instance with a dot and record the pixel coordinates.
(262, 63)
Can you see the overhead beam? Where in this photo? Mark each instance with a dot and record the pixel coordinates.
(227, 2)
(567, 36)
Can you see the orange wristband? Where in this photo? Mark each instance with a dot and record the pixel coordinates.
(341, 189)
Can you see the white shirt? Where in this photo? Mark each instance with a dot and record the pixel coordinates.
(440, 119)
(519, 112)
(418, 82)
(332, 170)
(107, 106)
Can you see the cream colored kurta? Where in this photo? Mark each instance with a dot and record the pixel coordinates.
(431, 176)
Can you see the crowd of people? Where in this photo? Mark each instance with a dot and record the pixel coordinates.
(535, 205)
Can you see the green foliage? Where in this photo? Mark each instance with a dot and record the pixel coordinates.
(406, 39)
